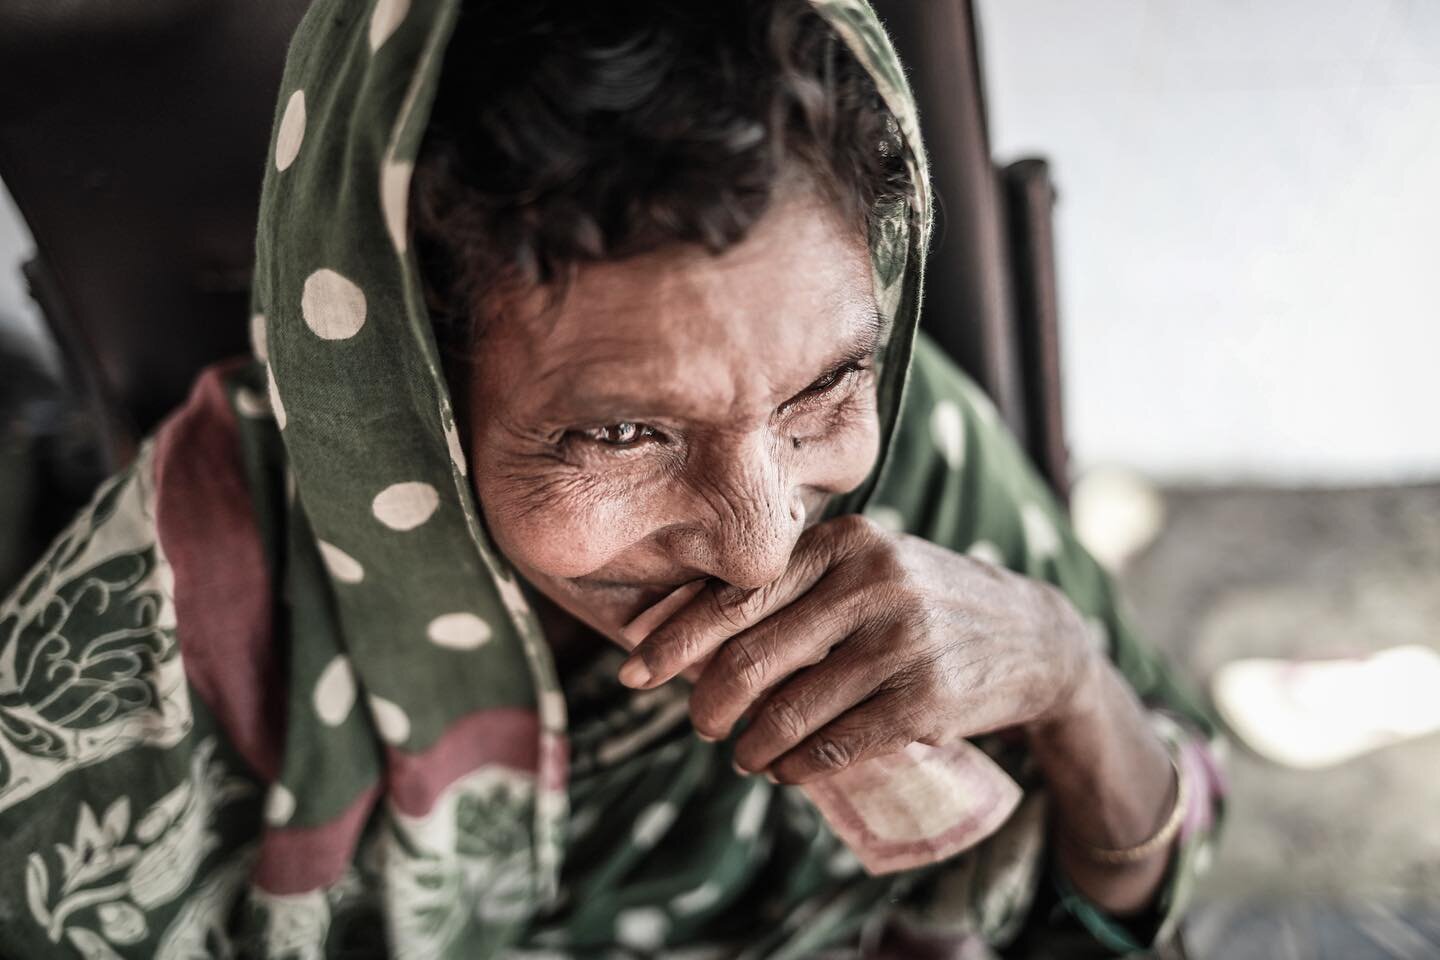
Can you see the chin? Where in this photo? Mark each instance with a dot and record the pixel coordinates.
(606, 608)
(629, 602)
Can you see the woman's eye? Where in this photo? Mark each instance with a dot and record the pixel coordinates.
(623, 434)
(831, 379)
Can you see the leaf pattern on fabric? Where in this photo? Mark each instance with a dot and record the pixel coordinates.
(200, 930)
(889, 246)
(123, 872)
(464, 867)
(295, 925)
(88, 659)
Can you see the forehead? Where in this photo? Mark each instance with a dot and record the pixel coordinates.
(688, 328)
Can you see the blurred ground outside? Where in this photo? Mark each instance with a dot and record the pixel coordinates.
(1343, 862)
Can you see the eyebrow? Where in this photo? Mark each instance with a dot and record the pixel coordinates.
(864, 347)
(869, 335)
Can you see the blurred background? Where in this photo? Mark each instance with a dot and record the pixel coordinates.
(1209, 311)
(1248, 253)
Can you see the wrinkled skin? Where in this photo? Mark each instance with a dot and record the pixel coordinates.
(737, 363)
(942, 645)
(682, 416)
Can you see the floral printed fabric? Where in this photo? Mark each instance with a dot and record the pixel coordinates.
(275, 694)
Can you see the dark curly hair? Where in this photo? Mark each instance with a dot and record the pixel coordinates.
(567, 131)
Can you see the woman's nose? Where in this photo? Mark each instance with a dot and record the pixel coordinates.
(756, 518)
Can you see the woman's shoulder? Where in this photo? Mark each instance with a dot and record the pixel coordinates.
(93, 660)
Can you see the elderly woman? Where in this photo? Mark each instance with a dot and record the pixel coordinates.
(582, 325)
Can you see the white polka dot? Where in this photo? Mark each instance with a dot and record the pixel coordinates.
(390, 720)
(251, 404)
(987, 551)
(552, 709)
(843, 862)
(292, 131)
(887, 517)
(701, 898)
(652, 823)
(643, 928)
(259, 339)
(276, 407)
(1041, 537)
(404, 506)
(387, 16)
(279, 805)
(333, 306)
(751, 812)
(457, 453)
(947, 429)
(395, 200)
(341, 565)
(458, 631)
(335, 691)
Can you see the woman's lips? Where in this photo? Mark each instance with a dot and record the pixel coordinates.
(628, 600)
(640, 627)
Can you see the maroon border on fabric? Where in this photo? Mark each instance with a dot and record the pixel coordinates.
(507, 736)
(207, 528)
(301, 859)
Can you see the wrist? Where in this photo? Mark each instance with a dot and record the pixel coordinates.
(1079, 667)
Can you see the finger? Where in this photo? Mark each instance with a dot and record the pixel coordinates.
(652, 616)
(807, 701)
(720, 611)
(886, 723)
(752, 662)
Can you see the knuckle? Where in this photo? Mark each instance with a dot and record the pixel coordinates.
(677, 646)
(785, 719)
(853, 529)
(746, 664)
(731, 606)
(830, 753)
(886, 565)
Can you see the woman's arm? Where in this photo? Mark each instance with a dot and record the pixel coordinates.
(873, 639)
(1113, 786)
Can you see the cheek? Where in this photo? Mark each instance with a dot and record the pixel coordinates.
(845, 457)
(560, 529)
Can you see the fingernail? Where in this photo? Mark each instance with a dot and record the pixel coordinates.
(771, 777)
(739, 769)
(706, 737)
(634, 673)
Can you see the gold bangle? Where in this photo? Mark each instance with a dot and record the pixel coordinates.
(1146, 848)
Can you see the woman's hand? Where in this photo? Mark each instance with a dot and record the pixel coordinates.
(871, 640)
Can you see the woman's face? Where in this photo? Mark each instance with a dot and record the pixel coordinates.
(678, 415)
